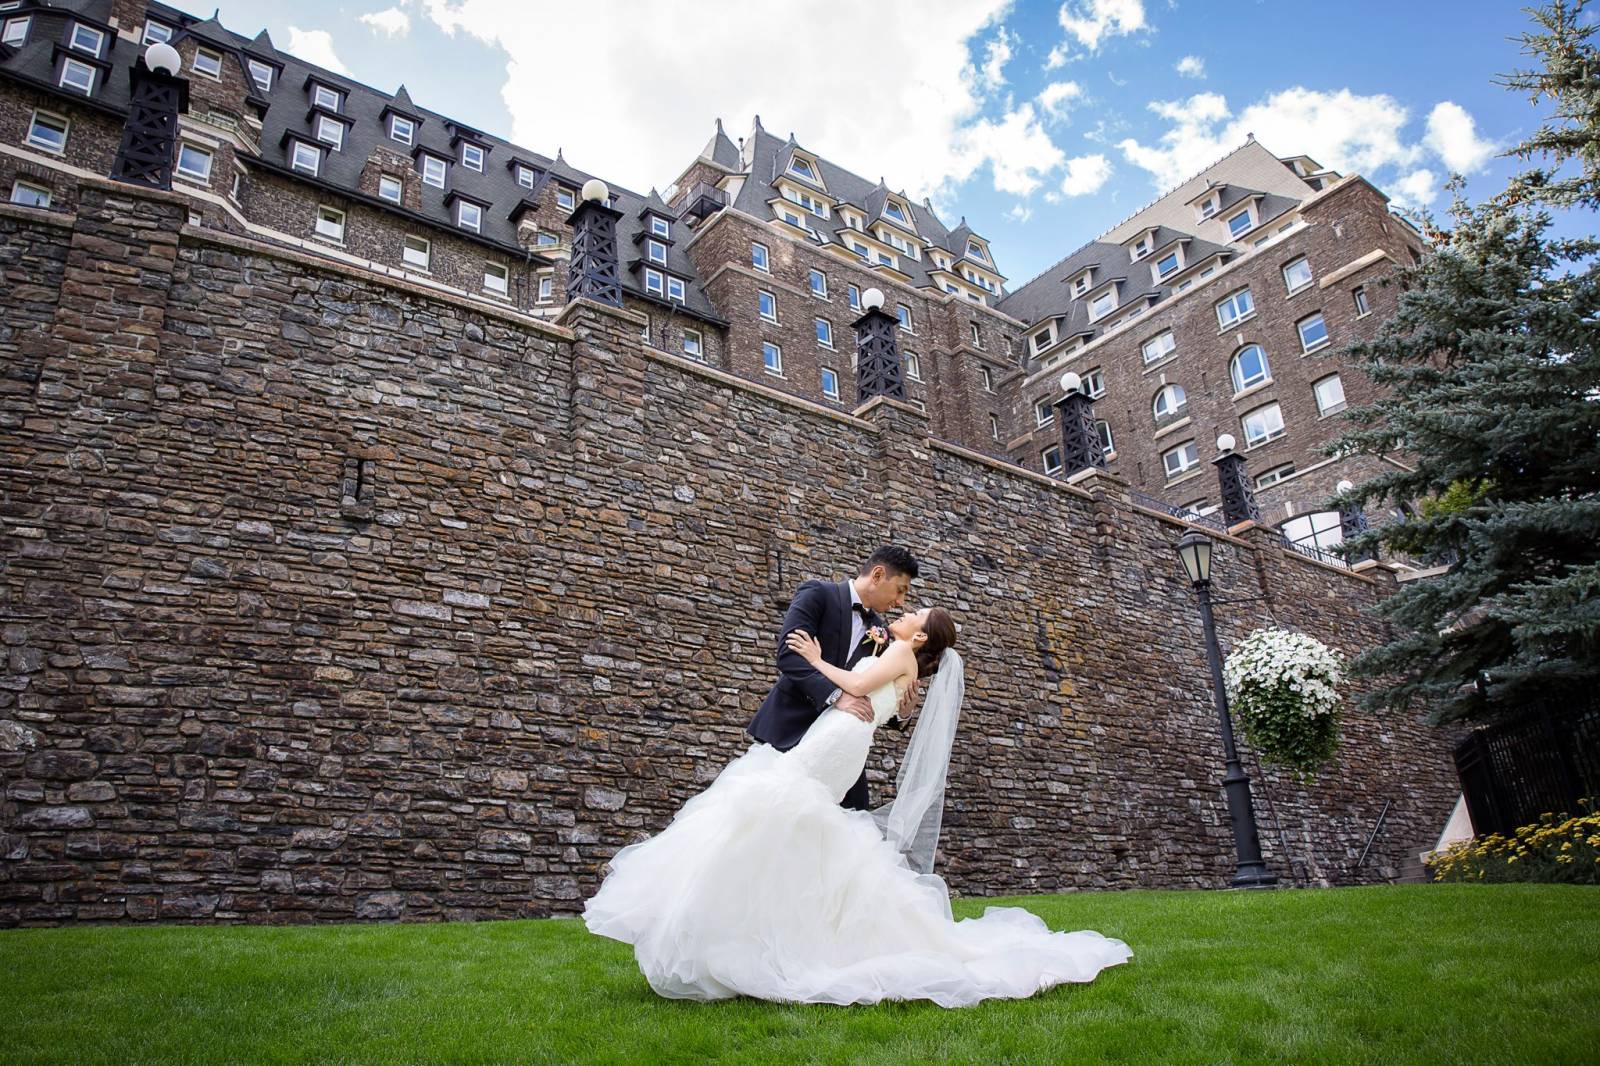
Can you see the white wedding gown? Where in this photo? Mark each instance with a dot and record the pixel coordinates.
(763, 886)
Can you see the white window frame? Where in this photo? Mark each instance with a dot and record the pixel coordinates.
(1081, 284)
(398, 123)
(466, 209)
(384, 181)
(1358, 296)
(1236, 376)
(824, 332)
(1275, 475)
(1179, 402)
(1254, 440)
(1323, 529)
(903, 313)
(1095, 314)
(204, 58)
(470, 151)
(1290, 288)
(325, 125)
(830, 393)
(660, 227)
(325, 96)
(312, 153)
(432, 164)
(1094, 383)
(1044, 412)
(155, 33)
(71, 66)
(655, 251)
(1050, 460)
(675, 289)
(1231, 302)
(1049, 335)
(655, 283)
(994, 426)
(694, 344)
(1249, 216)
(772, 358)
(203, 173)
(98, 36)
(496, 279)
(1316, 391)
(565, 198)
(809, 174)
(811, 281)
(1188, 456)
(987, 377)
(416, 252)
(1177, 264)
(40, 191)
(912, 363)
(1108, 443)
(765, 257)
(1307, 349)
(329, 223)
(1155, 342)
(764, 300)
(853, 292)
(525, 177)
(260, 73)
(547, 288)
(1209, 206)
(15, 31)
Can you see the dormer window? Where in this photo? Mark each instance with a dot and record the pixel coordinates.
(402, 129)
(87, 39)
(389, 188)
(1081, 285)
(330, 131)
(675, 289)
(472, 156)
(208, 62)
(977, 251)
(1141, 247)
(469, 215)
(15, 31)
(1044, 338)
(525, 176)
(1209, 205)
(324, 97)
(1169, 263)
(261, 74)
(1242, 223)
(306, 157)
(657, 252)
(1103, 304)
(433, 171)
(894, 211)
(76, 74)
(660, 226)
(154, 33)
(802, 166)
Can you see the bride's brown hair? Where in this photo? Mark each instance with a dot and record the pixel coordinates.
(940, 629)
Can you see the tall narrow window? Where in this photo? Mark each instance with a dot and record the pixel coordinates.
(402, 129)
(1359, 295)
(830, 383)
(417, 252)
(767, 305)
(904, 314)
(913, 366)
(819, 284)
(825, 333)
(855, 297)
(771, 358)
(758, 256)
(1249, 367)
(472, 156)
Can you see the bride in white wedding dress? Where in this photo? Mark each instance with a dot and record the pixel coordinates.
(763, 886)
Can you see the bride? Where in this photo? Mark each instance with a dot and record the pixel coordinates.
(763, 886)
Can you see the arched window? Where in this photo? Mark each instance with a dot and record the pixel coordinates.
(1169, 401)
(1320, 529)
(1249, 367)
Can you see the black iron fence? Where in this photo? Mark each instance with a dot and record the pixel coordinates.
(1212, 520)
(1541, 762)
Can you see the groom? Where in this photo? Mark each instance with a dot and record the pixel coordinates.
(840, 615)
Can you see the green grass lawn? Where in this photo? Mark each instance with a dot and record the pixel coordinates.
(1423, 973)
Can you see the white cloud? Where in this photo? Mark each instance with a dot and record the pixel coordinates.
(907, 120)
(1058, 98)
(1018, 150)
(1453, 137)
(1191, 67)
(1416, 190)
(1086, 174)
(1341, 130)
(997, 55)
(1019, 212)
(391, 22)
(315, 46)
(1057, 57)
(1092, 21)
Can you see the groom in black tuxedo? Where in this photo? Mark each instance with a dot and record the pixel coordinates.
(839, 614)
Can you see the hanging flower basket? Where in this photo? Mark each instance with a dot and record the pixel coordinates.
(1284, 691)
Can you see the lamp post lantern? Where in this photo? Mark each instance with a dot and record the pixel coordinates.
(1194, 553)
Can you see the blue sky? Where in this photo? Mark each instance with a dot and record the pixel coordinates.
(1043, 123)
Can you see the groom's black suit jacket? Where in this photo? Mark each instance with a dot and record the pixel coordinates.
(823, 609)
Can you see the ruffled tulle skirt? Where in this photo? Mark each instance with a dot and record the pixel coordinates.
(764, 886)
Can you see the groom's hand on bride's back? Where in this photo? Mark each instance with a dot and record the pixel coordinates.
(859, 706)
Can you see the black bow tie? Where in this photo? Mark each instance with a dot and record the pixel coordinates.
(863, 611)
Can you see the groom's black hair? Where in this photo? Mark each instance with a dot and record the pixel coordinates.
(894, 559)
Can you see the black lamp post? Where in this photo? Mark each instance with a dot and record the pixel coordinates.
(1194, 552)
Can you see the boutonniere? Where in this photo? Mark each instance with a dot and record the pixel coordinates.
(879, 637)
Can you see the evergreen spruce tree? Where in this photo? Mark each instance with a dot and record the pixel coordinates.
(1492, 380)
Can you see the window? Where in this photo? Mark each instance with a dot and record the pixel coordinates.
(194, 162)
(208, 62)
(987, 376)
(417, 252)
(330, 131)
(495, 279)
(771, 357)
(802, 167)
(1180, 459)
(1320, 529)
(1158, 347)
(30, 195)
(1167, 264)
(893, 210)
(433, 171)
(472, 156)
(660, 226)
(238, 179)
(87, 39)
(330, 223)
(1275, 475)
(469, 215)
(389, 188)
(1249, 367)
(1330, 394)
(261, 74)
(767, 305)
(976, 335)
(525, 176)
(819, 284)
(196, 218)
(565, 198)
(825, 333)
(15, 31)
(76, 74)
(1296, 275)
(1262, 424)
(1235, 308)
(913, 366)
(1050, 459)
(1103, 304)
(403, 129)
(656, 251)
(305, 157)
(655, 283)
(830, 383)
(1102, 429)
(1044, 338)
(1142, 247)
(855, 298)
(1313, 332)
(156, 33)
(546, 239)
(322, 96)
(1081, 286)
(547, 289)
(903, 313)
(1240, 224)
(975, 250)
(1169, 401)
(1359, 295)
(758, 256)
(1208, 207)
(1094, 383)
(675, 290)
(1044, 412)
(994, 426)
(693, 344)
